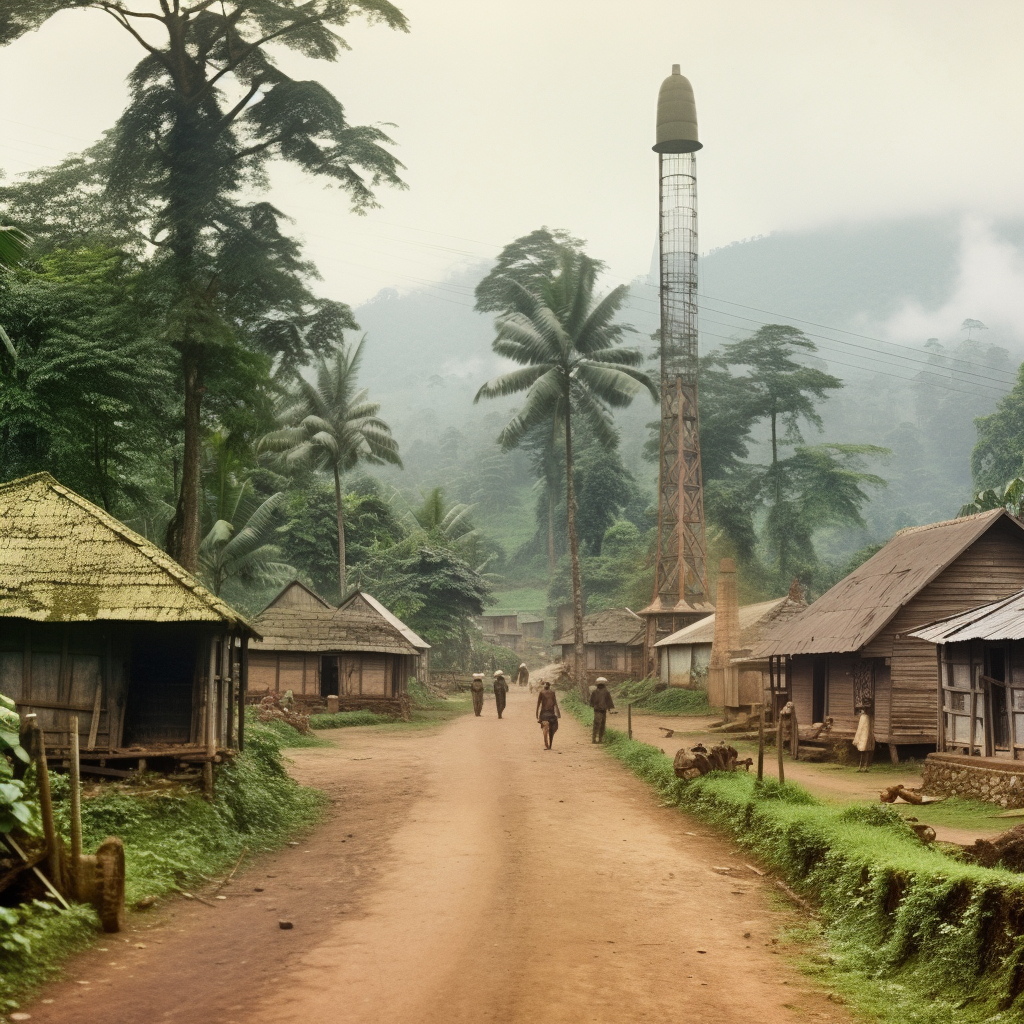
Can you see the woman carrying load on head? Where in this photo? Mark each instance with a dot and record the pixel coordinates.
(477, 690)
(523, 675)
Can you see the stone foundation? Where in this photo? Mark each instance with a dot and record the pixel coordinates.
(314, 704)
(975, 778)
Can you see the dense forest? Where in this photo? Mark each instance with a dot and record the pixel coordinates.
(344, 446)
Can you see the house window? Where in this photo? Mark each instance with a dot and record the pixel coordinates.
(606, 658)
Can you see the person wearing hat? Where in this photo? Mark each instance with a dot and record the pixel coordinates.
(601, 701)
(523, 675)
(477, 690)
(500, 690)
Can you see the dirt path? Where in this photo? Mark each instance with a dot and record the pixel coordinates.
(481, 879)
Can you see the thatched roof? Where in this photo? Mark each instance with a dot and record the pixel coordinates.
(300, 620)
(755, 620)
(858, 608)
(63, 559)
(614, 626)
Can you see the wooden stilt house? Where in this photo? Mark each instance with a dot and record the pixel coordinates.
(97, 622)
(360, 652)
(858, 644)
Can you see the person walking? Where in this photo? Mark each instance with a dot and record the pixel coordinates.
(548, 714)
(500, 691)
(477, 690)
(522, 676)
(601, 701)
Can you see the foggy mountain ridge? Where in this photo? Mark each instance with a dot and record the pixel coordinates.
(428, 351)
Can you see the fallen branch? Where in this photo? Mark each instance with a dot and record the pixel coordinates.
(795, 898)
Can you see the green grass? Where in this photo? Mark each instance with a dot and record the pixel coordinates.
(972, 815)
(347, 719)
(288, 736)
(533, 600)
(912, 934)
(672, 701)
(173, 839)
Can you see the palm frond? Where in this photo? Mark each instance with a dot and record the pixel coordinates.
(512, 383)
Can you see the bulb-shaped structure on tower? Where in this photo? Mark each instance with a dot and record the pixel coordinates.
(681, 584)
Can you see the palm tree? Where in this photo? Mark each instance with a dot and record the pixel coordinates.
(14, 244)
(565, 339)
(334, 427)
(227, 552)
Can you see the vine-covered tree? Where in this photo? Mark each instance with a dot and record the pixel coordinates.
(210, 109)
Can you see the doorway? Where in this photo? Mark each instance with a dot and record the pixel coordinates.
(161, 682)
(328, 676)
(819, 681)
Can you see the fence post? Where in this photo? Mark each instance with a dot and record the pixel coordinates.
(629, 719)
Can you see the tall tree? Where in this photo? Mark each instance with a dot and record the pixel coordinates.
(547, 460)
(566, 340)
(209, 110)
(334, 427)
(13, 246)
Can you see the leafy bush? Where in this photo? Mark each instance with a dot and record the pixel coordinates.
(915, 933)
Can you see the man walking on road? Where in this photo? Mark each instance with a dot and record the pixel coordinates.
(601, 701)
(500, 690)
(548, 714)
(477, 690)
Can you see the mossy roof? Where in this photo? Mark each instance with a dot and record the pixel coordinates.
(300, 620)
(63, 559)
(612, 626)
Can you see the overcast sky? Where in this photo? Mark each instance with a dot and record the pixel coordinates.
(510, 114)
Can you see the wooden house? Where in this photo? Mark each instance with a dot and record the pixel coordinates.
(613, 643)
(358, 651)
(980, 678)
(532, 627)
(683, 657)
(97, 622)
(856, 642)
(501, 628)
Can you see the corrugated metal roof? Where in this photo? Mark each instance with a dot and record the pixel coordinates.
(998, 620)
(362, 623)
(752, 618)
(613, 626)
(63, 559)
(857, 608)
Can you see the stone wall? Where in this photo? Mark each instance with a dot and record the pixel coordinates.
(945, 776)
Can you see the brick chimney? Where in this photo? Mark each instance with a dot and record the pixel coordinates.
(723, 679)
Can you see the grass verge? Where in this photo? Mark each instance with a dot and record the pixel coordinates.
(912, 934)
(173, 838)
(672, 701)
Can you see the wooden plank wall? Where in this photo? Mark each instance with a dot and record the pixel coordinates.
(800, 690)
(990, 569)
(839, 692)
(361, 673)
(278, 671)
(883, 700)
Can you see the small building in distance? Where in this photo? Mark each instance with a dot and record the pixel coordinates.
(856, 645)
(358, 651)
(501, 629)
(613, 642)
(532, 627)
(98, 623)
(683, 657)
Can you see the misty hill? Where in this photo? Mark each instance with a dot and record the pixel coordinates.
(428, 352)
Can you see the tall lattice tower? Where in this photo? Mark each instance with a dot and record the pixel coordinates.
(681, 582)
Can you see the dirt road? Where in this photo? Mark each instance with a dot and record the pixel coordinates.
(465, 875)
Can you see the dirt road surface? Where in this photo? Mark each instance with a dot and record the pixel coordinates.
(465, 875)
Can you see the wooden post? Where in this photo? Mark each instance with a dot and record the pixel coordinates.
(760, 745)
(46, 805)
(940, 725)
(629, 719)
(778, 747)
(243, 689)
(75, 773)
(894, 753)
(794, 735)
(227, 696)
(211, 699)
(232, 679)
